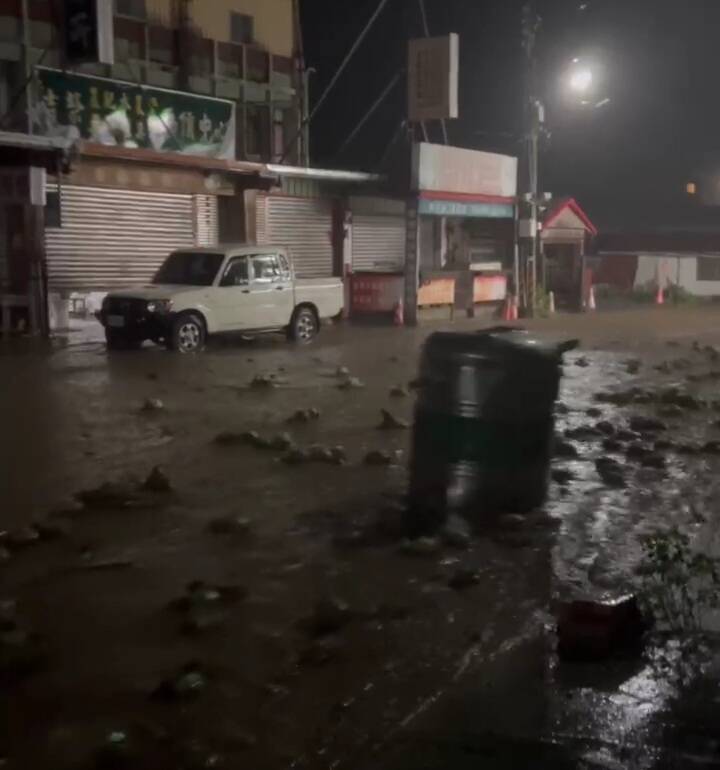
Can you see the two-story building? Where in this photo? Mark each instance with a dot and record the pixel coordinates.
(177, 143)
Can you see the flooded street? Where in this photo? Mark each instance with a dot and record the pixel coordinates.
(268, 614)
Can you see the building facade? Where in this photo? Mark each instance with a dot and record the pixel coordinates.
(167, 147)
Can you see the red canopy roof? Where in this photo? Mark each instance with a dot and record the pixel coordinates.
(572, 205)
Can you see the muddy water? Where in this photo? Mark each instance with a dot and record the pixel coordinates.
(274, 700)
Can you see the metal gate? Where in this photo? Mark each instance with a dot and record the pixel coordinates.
(206, 219)
(304, 225)
(112, 237)
(378, 243)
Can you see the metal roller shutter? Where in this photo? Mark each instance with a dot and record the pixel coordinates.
(112, 238)
(378, 243)
(206, 213)
(305, 226)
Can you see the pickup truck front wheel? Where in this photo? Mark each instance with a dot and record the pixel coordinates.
(304, 326)
(187, 334)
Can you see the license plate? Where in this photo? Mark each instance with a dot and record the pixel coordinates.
(116, 321)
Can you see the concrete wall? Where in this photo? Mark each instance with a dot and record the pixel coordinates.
(273, 20)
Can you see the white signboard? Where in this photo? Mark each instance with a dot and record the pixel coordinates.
(438, 168)
(433, 77)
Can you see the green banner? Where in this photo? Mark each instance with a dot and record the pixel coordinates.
(115, 113)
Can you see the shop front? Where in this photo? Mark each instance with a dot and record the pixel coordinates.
(460, 229)
(149, 169)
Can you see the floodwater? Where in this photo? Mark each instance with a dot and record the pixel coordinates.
(413, 671)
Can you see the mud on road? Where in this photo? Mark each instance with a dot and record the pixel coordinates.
(268, 612)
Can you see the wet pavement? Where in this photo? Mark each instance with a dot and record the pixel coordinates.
(317, 639)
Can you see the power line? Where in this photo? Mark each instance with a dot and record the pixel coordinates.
(388, 88)
(336, 76)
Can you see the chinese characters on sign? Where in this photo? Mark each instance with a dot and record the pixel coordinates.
(121, 114)
(433, 77)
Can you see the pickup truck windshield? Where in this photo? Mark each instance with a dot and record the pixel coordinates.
(187, 268)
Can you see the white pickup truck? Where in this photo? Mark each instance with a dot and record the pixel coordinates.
(202, 291)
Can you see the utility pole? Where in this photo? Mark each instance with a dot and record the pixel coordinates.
(535, 121)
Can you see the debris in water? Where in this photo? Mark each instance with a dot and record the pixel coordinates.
(422, 546)
(328, 617)
(115, 753)
(593, 411)
(351, 383)
(230, 525)
(464, 578)
(562, 476)
(157, 482)
(110, 494)
(152, 405)
(390, 422)
(264, 381)
(610, 471)
(582, 362)
(378, 457)
(654, 460)
(188, 684)
(594, 631)
(456, 533)
(612, 445)
(282, 442)
(565, 448)
(632, 365)
(305, 416)
(643, 424)
(53, 528)
(21, 538)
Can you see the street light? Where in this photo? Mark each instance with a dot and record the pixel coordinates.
(581, 80)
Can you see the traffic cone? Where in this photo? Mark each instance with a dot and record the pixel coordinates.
(591, 299)
(508, 308)
(551, 303)
(660, 297)
(399, 313)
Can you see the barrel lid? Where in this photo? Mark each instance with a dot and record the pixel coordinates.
(497, 342)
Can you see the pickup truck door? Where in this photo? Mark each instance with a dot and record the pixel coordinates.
(271, 288)
(232, 301)
(255, 292)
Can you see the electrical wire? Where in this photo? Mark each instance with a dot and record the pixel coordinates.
(336, 77)
(376, 104)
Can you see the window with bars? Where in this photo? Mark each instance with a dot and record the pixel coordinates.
(708, 268)
(257, 135)
(242, 27)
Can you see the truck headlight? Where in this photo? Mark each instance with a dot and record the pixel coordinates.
(159, 306)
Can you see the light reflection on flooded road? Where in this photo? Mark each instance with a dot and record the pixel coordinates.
(76, 421)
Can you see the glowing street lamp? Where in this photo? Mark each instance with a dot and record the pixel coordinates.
(581, 80)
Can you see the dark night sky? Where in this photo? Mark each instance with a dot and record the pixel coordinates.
(627, 163)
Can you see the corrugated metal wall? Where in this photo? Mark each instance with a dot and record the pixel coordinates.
(304, 225)
(378, 243)
(113, 237)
